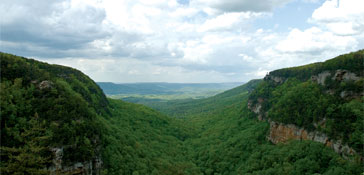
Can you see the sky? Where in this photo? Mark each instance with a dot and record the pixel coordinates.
(184, 41)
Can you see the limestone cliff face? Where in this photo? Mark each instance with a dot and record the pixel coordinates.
(275, 79)
(91, 167)
(257, 108)
(281, 133)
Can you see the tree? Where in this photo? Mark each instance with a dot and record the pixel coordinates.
(32, 157)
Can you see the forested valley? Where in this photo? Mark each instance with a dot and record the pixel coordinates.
(56, 120)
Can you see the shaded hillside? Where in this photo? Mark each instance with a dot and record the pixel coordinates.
(56, 120)
(228, 139)
(324, 98)
(47, 109)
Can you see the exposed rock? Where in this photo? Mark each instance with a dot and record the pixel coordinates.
(274, 78)
(321, 123)
(256, 108)
(350, 95)
(45, 84)
(57, 160)
(344, 75)
(344, 94)
(281, 133)
(321, 77)
(92, 167)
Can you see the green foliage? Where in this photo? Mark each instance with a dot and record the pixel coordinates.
(226, 140)
(45, 106)
(139, 140)
(60, 98)
(302, 105)
(297, 157)
(183, 108)
(312, 106)
(306, 104)
(353, 61)
(32, 155)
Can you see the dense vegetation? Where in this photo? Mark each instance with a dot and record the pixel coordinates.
(139, 140)
(47, 106)
(187, 107)
(324, 107)
(228, 139)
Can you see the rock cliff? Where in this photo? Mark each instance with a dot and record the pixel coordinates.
(91, 167)
(281, 133)
(333, 81)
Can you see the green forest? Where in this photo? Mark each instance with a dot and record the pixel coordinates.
(47, 106)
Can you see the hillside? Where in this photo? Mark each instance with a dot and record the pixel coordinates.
(322, 100)
(183, 108)
(47, 109)
(56, 120)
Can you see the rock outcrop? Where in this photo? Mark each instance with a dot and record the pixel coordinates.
(321, 77)
(340, 75)
(275, 79)
(45, 84)
(281, 133)
(345, 75)
(91, 167)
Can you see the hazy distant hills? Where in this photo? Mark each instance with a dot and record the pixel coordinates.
(302, 120)
(163, 88)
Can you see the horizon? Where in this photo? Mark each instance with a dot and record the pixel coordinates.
(172, 82)
(181, 41)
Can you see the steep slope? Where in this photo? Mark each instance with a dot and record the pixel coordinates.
(227, 139)
(56, 120)
(321, 102)
(48, 118)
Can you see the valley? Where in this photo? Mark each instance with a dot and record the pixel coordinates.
(57, 120)
(161, 92)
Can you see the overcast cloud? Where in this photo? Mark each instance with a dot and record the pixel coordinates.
(180, 40)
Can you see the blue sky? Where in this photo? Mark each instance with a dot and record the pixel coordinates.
(181, 40)
(292, 15)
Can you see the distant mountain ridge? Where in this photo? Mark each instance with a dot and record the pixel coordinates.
(56, 120)
(161, 88)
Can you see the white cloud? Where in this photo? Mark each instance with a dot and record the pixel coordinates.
(163, 40)
(131, 70)
(312, 1)
(226, 21)
(314, 40)
(240, 5)
(345, 17)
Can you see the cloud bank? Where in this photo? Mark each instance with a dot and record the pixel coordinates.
(177, 40)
